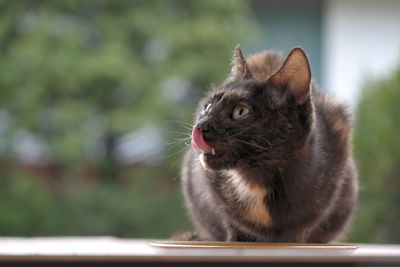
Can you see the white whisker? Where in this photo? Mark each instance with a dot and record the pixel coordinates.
(254, 145)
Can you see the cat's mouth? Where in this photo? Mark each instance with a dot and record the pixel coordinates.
(212, 156)
(199, 143)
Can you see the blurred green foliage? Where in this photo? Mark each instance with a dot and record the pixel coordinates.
(377, 151)
(75, 77)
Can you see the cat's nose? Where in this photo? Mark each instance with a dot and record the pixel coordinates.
(203, 127)
(206, 130)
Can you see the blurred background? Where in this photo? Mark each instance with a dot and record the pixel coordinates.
(97, 99)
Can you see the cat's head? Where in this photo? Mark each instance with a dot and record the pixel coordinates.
(249, 121)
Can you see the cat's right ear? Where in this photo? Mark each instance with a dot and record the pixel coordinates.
(292, 79)
(240, 69)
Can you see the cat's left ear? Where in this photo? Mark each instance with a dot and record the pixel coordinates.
(294, 77)
(240, 69)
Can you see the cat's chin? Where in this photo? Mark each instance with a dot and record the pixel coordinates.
(216, 161)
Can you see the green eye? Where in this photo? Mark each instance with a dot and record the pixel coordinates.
(240, 112)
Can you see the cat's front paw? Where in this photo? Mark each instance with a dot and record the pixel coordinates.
(185, 236)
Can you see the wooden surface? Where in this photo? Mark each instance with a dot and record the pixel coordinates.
(109, 249)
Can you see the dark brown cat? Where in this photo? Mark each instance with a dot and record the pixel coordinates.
(271, 158)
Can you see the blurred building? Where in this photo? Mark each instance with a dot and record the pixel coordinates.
(348, 41)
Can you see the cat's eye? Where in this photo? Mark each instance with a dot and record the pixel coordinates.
(240, 112)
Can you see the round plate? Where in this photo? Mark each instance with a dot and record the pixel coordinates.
(247, 245)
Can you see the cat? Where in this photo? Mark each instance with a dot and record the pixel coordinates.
(271, 157)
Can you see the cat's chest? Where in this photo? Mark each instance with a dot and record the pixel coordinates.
(247, 199)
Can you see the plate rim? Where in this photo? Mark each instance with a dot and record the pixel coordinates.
(249, 245)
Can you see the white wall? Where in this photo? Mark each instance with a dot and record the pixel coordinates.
(361, 39)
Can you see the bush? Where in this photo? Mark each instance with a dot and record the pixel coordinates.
(377, 151)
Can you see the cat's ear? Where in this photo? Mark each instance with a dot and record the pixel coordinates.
(240, 69)
(294, 77)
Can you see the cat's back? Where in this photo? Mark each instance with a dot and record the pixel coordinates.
(333, 121)
(264, 64)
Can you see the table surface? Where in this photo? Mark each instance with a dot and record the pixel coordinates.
(114, 249)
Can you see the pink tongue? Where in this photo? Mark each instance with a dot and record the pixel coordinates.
(198, 142)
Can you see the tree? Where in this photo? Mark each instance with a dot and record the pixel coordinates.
(78, 75)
